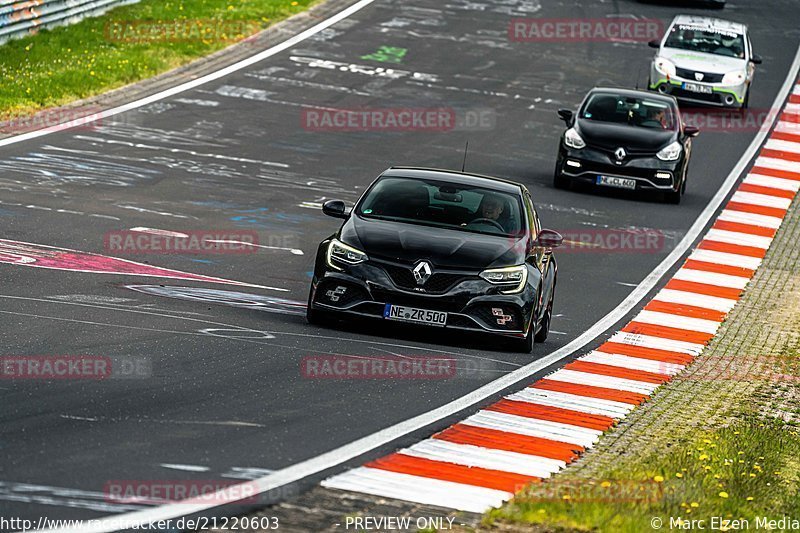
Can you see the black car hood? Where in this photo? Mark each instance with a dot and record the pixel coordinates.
(408, 243)
(634, 139)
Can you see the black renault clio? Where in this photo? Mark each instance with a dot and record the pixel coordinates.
(626, 139)
(441, 249)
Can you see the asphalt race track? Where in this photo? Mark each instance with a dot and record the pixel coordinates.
(220, 393)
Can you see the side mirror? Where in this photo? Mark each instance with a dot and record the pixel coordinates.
(691, 131)
(549, 239)
(566, 115)
(335, 209)
(654, 44)
(756, 59)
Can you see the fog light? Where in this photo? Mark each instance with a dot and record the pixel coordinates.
(663, 175)
(571, 163)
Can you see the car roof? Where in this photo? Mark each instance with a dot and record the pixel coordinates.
(710, 23)
(650, 95)
(455, 177)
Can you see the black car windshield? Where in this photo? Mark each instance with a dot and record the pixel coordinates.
(718, 42)
(441, 204)
(632, 111)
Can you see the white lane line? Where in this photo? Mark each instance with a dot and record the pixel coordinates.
(601, 380)
(774, 183)
(726, 258)
(735, 237)
(761, 199)
(712, 278)
(185, 468)
(337, 456)
(634, 363)
(783, 146)
(534, 427)
(677, 321)
(418, 489)
(477, 456)
(754, 219)
(778, 164)
(723, 305)
(648, 341)
(293, 251)
(573, 402)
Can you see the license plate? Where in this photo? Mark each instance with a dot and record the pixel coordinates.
(697, 88)
(411, 314)
(613, 181)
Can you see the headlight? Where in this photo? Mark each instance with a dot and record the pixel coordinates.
(665, 66)
(736, 77)
(671, 152)
(342, 253)
(573, 140)
(516, 277)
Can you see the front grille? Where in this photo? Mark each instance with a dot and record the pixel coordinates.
(453, 304)
(498, 316)
(438, 283)
(708, 77)
(339, 294)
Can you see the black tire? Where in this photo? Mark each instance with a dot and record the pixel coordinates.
(317, 317)
(544, 330)
(559, 181)
(673, 197)
(524, 345)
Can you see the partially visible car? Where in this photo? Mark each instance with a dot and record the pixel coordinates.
(626, 139)
(444, 249)
(705, 60)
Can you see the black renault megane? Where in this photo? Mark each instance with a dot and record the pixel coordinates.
(626, 139)
(440, 249)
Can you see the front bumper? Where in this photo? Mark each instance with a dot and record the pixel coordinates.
(471, 303)
(726, 96)
(650, 173)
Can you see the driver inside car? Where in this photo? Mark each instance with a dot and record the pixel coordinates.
(491, 209)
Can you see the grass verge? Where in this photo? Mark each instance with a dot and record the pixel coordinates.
(126, 45)
(744, 472)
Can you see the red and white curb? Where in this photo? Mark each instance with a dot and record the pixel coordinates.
(530, 435)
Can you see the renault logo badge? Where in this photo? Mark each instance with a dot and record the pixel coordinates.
(422, 272)
(699, 76)
(620, 153)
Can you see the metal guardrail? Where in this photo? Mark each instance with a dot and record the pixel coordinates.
(20, 18)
